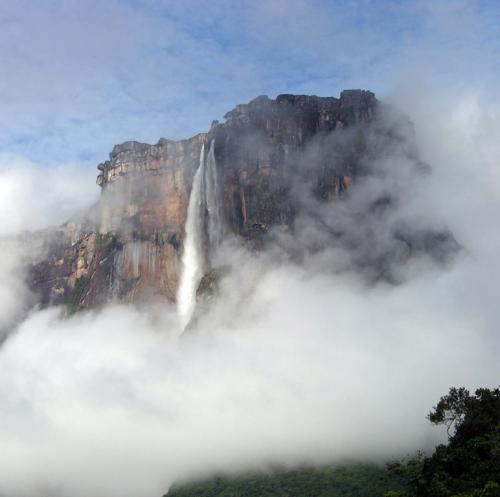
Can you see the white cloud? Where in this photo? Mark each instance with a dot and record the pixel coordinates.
(80, 77)
(34, 197)
(291, 364)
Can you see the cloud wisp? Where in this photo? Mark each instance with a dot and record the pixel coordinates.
(79, 77)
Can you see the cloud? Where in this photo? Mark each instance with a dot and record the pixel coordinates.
(34, 196)
(62, 63)
(290, 364)
(14, 296)
(311, 369)
(83, 400)
(79, 78)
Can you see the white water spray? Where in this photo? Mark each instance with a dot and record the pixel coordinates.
(201, 238)
(193, 255)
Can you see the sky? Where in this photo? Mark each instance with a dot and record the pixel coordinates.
(292, 364)
(78, 76)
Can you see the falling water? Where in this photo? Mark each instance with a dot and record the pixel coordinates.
(204, 232)
(213, 197)
(193, 256)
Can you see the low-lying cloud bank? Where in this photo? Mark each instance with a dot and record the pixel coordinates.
(290, 365)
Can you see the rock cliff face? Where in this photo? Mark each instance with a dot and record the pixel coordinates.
(262, 147)
(275, 159)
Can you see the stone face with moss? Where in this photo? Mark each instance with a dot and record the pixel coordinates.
(210, 283)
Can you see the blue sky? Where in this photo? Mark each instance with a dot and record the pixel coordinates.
(78, 76)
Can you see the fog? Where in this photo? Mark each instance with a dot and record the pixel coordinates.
(291, 364)
(34, 197)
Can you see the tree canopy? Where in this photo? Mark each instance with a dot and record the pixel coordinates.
(469, 465)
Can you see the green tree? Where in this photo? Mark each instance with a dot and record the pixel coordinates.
(451, 409)
(469, 465)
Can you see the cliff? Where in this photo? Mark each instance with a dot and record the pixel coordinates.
(276, 158)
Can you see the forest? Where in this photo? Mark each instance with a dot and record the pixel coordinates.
(467, 466)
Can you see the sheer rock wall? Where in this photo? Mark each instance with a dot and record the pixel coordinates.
(128, 247)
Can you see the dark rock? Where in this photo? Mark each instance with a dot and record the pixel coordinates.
(280, 161)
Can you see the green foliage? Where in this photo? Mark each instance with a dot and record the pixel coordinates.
(74, 297)
(469, 466)
(210, 282)
(410, 470)
(106, 240)
(451, 409)
(336, 481)
(490, 489)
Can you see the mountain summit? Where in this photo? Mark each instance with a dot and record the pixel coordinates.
(303, 172)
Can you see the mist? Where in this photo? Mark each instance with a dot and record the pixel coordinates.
(35, 196)
(290, 364)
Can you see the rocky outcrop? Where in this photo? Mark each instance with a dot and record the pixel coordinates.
(262, 149)
(276, 158)
(131, 248)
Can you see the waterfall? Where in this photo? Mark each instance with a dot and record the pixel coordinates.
(214, 206)
(204, 232)
(193, 256)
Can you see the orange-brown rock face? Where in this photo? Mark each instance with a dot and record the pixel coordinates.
(145, 193)
(130, 249)
(276, 159)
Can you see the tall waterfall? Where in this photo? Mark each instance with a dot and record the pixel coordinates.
(204, 232)
(214, 207)
(193, 255)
